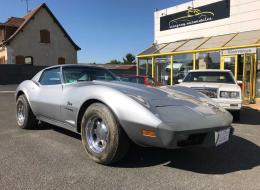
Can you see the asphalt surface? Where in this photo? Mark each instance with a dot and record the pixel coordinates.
(53, 158)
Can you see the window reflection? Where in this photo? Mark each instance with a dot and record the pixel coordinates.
(208, 60)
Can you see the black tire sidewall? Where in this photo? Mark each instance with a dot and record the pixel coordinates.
(109, 153)
(23, 100)
(30, 120)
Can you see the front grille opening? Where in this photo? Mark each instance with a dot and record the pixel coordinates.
(193, 139)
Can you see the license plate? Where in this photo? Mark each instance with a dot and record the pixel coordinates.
(222, 136)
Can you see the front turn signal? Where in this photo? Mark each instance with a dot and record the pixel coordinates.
(148, 133)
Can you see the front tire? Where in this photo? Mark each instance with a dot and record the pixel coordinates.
(24, 116)
(103, 138)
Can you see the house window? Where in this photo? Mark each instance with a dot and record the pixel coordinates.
(19, 59)
(2, 60)
(28, 60)
(45, 36)
(61, 61)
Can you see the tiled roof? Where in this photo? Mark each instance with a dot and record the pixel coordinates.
(14, 21)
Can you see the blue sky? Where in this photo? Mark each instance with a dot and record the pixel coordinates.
(104, 29)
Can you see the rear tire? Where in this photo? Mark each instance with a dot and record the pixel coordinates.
(103, 138)
(24, 116)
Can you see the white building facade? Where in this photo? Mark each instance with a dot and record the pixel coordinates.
(207, 34)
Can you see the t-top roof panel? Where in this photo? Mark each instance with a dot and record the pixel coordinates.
(171, 47)
(153, 49)
(192, 44)
(245, 38)
(217, 41)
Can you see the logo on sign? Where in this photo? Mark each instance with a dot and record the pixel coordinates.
(207, 13)
(194, 16)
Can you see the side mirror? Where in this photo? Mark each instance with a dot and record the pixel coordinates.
(180, 81)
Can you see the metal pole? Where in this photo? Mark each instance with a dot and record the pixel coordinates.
(153, 67)
(147, 68)
(137, 66)
(171, 70)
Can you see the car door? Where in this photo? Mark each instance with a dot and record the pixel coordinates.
(49, 94)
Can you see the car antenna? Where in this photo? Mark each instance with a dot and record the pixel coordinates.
(27, 5)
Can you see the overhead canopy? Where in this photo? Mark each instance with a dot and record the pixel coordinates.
(200, 44)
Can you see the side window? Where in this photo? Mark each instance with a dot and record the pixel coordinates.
(50, 77)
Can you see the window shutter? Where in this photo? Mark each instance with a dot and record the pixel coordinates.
(61, 61)
(19, 59)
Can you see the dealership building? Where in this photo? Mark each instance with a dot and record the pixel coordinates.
(206, 34)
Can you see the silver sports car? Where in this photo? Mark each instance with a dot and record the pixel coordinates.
(109, 113)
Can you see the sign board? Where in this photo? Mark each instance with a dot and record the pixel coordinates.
(207, 13)
(238, 51)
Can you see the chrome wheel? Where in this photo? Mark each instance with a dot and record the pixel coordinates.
(20, 115)
(96, 134)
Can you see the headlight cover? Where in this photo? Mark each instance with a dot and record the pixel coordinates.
(229, 94)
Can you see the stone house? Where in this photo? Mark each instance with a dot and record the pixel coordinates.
(37, 39)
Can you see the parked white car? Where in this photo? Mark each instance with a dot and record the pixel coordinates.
(219, 85)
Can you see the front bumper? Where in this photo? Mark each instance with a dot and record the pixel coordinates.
(180, 139)
(229, 104)
(168, 137)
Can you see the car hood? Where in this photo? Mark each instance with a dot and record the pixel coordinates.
(161, 96)
(158, 97)
(221, 86)
(147, 92)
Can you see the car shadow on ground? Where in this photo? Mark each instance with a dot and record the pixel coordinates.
(46, 126)
(238, 154)
(249, 116)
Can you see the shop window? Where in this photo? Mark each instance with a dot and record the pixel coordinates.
(182, 64)
(45, 36)
(61, 60)
(240, 67)
(19, 59)
(2, 60)
(162, 74)
(208, 60)
(258, 74)
(28, 60)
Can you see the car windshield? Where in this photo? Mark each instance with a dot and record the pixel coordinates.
(210, 77)
(77, 74)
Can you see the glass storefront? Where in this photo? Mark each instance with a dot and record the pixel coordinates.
(208, 60)
(182, 63)
(162, 73)
(258, 74)
(144, 67)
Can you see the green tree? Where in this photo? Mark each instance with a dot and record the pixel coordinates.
(115, 62)
(129, 59)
